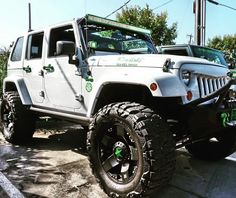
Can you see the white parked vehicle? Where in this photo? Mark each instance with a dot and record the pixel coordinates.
(139, 105)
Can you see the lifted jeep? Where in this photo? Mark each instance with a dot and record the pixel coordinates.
(139, 105)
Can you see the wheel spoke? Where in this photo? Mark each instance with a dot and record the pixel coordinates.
(120, 130)
(133, 153)
(107, 141)
(125, 172)
(110, 163)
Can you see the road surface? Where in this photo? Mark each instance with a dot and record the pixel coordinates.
(55, 164)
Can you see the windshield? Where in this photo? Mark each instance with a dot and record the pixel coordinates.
(111, 39)
(209, 54)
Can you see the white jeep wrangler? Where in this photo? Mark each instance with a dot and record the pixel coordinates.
(140, 106)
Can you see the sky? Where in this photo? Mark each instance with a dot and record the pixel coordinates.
(14, 15)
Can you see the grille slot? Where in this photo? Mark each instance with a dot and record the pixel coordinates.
(208, 85)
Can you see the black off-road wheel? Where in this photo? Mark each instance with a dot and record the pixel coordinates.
(17, 121)
(215, 148)
(131, 150)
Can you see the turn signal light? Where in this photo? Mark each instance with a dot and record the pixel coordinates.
(153, 86)
(189, 95)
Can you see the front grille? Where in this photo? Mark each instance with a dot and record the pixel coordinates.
(209, 85)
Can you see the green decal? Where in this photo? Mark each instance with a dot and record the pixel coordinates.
(118, 152)
(128, 62)
(89, 86)
(225, 118)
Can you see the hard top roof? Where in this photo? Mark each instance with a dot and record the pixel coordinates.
(188, 45)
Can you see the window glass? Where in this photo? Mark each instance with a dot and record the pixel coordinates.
(34, 46)
(209, 54)
(180, 52)
(110, 39)
(65, 33)
(17, 52)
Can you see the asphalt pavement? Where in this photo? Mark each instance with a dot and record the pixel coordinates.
(55, 164)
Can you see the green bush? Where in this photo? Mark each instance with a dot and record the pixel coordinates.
(3, 67)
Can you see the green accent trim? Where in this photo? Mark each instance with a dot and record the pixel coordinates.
(118, 152)
(89, 79)
(48, 68)
(27, 69)
(103, 21)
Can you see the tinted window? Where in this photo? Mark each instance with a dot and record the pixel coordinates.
(180, 52)
(60, 34)
(17, 52)
(34, 46)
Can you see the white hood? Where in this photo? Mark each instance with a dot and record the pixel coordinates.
(144, 60)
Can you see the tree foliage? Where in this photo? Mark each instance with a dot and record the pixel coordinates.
(4, 53)
(227, 44)
(146, 18)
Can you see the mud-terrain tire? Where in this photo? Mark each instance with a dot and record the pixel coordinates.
(131, 150)
(18, 122)
(215, 148)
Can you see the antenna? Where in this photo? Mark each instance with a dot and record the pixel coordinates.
(29, 7)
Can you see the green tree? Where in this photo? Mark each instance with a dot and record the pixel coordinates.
(146, 18)
(227, 44)
(4, 54)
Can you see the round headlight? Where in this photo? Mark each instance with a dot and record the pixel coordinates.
(186, 76)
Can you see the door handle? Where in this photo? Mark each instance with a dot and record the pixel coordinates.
(27, 69)
(48, 68)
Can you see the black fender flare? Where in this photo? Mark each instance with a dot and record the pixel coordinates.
(17, 84)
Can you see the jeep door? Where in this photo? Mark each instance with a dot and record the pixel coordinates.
(62, 84)
(33, 66)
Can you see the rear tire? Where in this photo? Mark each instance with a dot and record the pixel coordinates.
(131, 150)
(214, 149)
(18, 122)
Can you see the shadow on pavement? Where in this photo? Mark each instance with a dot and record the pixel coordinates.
(54, 164)
(195, 178)
(72, 139)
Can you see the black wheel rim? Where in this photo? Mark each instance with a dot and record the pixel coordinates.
(118, 151)
(7, 117)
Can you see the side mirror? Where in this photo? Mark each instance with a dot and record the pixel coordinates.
(65, 48)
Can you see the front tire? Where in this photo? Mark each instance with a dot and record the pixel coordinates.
(131, 150)
(215, 148)
(18, 122)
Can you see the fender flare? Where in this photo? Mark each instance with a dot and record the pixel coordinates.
(20, 87)
(167, 86)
